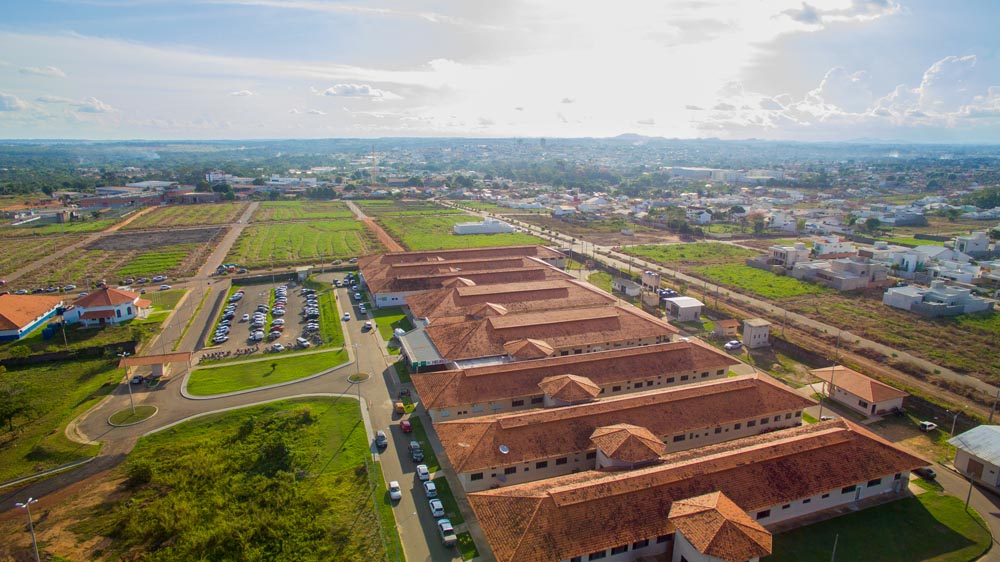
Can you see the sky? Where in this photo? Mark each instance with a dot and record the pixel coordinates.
(815, 70)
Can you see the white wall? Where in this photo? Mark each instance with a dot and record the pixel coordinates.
(806, 506)
(991, 472)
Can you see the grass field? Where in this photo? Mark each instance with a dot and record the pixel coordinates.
(76, 227)
(760, 282)
(910, 241)
(928, 527)
(153, 262)
(379, 207)
(301, 210)
(290, 483)
(165, 300)
(302, 243)
(254, 374)
(57, 393)
(189, 215)
(435, 232)
(467, 546)
(696, 253)
(19, 252)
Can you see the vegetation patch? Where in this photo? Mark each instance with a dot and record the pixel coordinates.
(283, 481)
(467, 546)
(379, 207)
(301, 210)
(447, 498)
(126, 417)
(261, 372)
(420, 436)
(283, 244)
(696, 253)
(151, 263)
(760, 282)
(20, 252)
(435, 232)
(188, 215)
(927, 527)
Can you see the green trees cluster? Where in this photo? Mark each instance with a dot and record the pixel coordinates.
(984, 198)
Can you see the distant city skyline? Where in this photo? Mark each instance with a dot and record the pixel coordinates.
(820, 70)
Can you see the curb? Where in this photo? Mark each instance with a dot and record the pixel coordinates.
(44, 473)
(186, 394)
(155, 411)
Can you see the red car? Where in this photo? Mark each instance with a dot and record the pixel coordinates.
(405, 426)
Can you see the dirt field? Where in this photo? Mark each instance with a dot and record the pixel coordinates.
(149, 240)
(604, 232)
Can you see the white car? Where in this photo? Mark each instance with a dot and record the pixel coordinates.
(159, 278)
(368, 324)
(277, 347)
(347, 316)
(430, 489)
(437, 508)
(245, 318)
(423, 473)
(395, 492)
(164, 287)
(733, 345)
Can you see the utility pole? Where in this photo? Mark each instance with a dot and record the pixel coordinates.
(31, 526)
(994, 408)
(128, 383)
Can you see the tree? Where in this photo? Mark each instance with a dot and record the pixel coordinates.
(872, 224)
(800, 225)
(758, 222)
(15, 402)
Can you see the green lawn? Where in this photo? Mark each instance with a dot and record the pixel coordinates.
(189, 215)
(601, 280)
(910, 241)
(125, 416)
(387, 319)
(420, 436)
(694, 253)
(165, 300)
(402, 371)
(467, 546)
(447, 498)
(286, 480)
(928, 527)
(89, 225)
(760, 282)
(254, 374)
(56, 393)
(302, 243)
(155, 262)
(378, 207)
(432, 232)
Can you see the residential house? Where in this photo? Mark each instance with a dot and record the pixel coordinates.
(975, 244)
(756, 333)
(506, 387)
(938, 300)
(954, 271)
(785, 256)
(515, 447)
(699, 215)
(22, 314)
(627, 286)
(107, 307)
(683, 309)
(858, 392)
(727, 328)
(487, 226)
(843, 274)
(618, 515)
(829, 247)
(977, 455)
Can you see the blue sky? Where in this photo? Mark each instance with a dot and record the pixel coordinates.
(912, 70)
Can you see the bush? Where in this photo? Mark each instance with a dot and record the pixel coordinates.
(139, 473)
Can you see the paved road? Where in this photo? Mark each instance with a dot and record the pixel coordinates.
(985, 503)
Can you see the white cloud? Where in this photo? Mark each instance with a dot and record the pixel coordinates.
(242, 93)
(10, 102)
(946, 84)
(94, 105)
(568, 100)
(315, 112)
(848, 91)
(649, 121)
(49, 71)
(358, 91)
(857, 11)
(54, 99)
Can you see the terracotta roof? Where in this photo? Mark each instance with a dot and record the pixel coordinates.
(430, 281)
(17, 311)
(628, 443)
(716, 526)
(106, 297)
(560, 329)
(728, 323)
(857, 384)
(569, 388)
(481, 385)
(472, 443)
(491, 252)
(143, 303)
(528, 349)
(566, 516)
(458, 304)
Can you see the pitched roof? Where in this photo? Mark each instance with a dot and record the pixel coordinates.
(106, 297)
(716, 526)
(576, 327)
(18, 311)
(566, 516)
(480, 385)
(728, 323)
(982, 441)
(473, 443)
(569, 388)
(628, 443)
(857, 384)
(528, 349)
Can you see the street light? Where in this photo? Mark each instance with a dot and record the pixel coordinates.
(357, 360)
(31, 526)
(128, 382)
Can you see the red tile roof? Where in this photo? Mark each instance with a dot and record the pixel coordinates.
(857, 384)
(106, 297)
(481, 385)
(558, 518)
(527, 349)
(473, 443)
(716, 526)
(569, 388)
(18, 311)
(628, 443)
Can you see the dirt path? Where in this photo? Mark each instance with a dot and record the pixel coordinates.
(382, 235)
(125, 222)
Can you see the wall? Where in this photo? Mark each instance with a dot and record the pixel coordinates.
(991, 473)
(806, 506)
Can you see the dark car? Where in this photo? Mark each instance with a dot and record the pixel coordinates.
(416, 453)
(925, 472)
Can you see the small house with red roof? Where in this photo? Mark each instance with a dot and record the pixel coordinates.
(21, 314)
(107, 307)
(858, 392)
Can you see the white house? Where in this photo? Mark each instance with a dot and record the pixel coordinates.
(107, 307)
(683, 309)
(488, 226)
(858, 392)
(976, 244)
(977, 454)
(627, 286)
(788, 256)
(832, 247)
(938, 300)
(756, 332)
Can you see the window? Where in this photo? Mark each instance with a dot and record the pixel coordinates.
(825, 496)
(563, 353)
(664, 538)
(798, 414)
(561, 461)
(875, 482)
(477, 408)
(670, 380)
(786, 506)
(684, 377)
(720, 372)
(862, 403)
(764, 421)
(649, 383)
(476, 476)
(578, 352)
(897, 476)
(807, 500)
(597, 555)
(640, 544)
(718, 430)
(128, 310)
(637, 385)
(591, 455)
(510, 470)
(764, 514)
(705, 374)
(848, 489)
(619, 549)
(616, 388)
(537, 400)
(737, 426)
(541, 464)
(516, 403)
(788, 416)
(751, 423)
(679, 438)
(444, 413)
(118, 312)
(576, 559)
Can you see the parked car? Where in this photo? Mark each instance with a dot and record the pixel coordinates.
(416, 453)
(245, 318)
(437, 508)
(423, 473)
(733, 345)
(277, 347)
(302, 342)
(352, 260)
(430, 488)
(381, 441)
(926, 426)
(398, 407)
(278, 312)
(447, 532)
(357, 296)
(277, 322)
(164, 287)
(69, 287)
(362, 309)
(159, 278)
(405, 426)
(395, 492)
(138, 379)
(925, 472)
(273, 336)
(222, 338)
(368, 325)
(347, 316)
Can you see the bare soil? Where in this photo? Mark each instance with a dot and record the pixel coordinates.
(149, 240)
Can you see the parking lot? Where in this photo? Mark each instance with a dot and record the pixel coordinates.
(255, 296)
